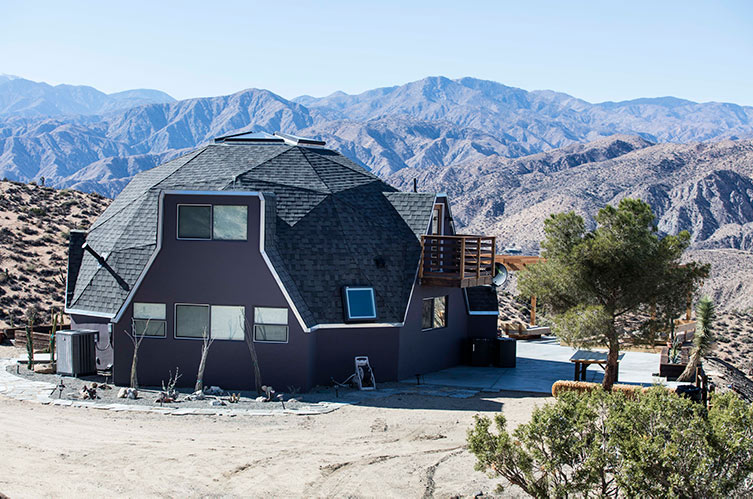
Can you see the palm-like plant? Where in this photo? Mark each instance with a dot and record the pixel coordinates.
(703, 339)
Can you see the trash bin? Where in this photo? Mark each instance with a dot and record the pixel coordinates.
(506, 352)
(691, 392)
(482, 351)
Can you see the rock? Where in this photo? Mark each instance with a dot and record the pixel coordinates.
(216, 402)
(198, 395)
(214, 390)
(132, 393)
(44, 369)
(123, 393)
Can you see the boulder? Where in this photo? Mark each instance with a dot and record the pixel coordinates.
(128, 393)
(44, 368)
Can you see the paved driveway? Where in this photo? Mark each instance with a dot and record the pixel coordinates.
(541, 363)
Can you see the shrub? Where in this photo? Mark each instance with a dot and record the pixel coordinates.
(560, 387)
(37, 211)
(595, 443)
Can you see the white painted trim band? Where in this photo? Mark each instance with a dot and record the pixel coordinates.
(77, 311)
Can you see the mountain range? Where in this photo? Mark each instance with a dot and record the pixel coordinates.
(78, 137)
(22, 97)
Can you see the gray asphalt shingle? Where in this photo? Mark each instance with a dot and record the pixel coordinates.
(330, 223)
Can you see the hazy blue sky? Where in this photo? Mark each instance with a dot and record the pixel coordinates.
(599, 50)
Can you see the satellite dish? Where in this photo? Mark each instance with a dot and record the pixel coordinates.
(501, 276)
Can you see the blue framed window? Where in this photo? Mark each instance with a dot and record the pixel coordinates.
(359, 304)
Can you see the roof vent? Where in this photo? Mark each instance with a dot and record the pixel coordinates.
(295, 140)
(250, 137)
(265, 138)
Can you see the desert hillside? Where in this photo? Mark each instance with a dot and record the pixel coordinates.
(705, 188)
(35, 222)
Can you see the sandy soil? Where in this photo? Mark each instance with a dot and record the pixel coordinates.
(34, 225)
(404, 445)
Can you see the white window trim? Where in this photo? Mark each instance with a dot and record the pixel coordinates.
(160, 337)
(446, 306)
(175, 321)
(245, 239)
(149, 303)
(211, 223)
(440, 220)
(287, 327)
(177, 222)
(243, 326)
(347, 303)
(209, 320)
(150, 320)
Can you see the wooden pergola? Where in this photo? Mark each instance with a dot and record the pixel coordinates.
(518, 262)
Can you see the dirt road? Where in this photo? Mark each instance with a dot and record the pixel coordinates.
(406, 446)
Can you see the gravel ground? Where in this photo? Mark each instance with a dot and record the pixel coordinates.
(148, 395)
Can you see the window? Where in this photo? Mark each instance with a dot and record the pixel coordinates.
(149, 319)
(359, 304)
(434, 313)
(436, 220)
(230, 223)
(191, 321)
(271, 324)
(219, 222)
(221, 322)
(227, 323)
(194, 221)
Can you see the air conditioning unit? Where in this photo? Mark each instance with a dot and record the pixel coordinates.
(75, 351)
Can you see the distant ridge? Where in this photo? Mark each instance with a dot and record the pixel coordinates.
(51, 131)
(26, 98)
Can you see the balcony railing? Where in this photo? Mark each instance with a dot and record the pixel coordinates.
(457, 261)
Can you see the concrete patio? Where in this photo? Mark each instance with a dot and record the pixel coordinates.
(539, 364)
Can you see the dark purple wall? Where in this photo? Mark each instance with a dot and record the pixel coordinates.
(234, 273)
(337, 348)
(214, 273)
(426, 351)
(482, 326)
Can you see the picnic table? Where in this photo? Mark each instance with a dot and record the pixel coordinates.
(584, 358)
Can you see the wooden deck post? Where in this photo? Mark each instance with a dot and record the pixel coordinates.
(533, 310)
(688, 310)
(494, 255)
(478, 258)
(462, 258)
(421, 261)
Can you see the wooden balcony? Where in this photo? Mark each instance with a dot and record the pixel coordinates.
(458, 261)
